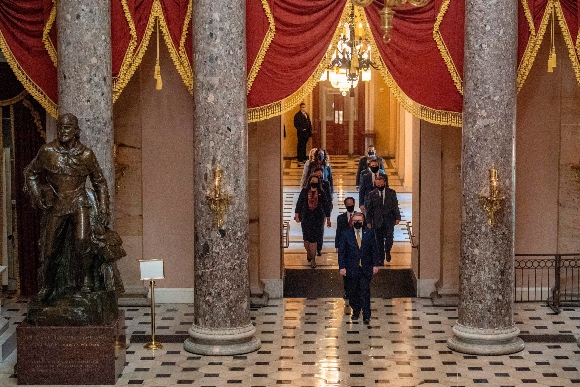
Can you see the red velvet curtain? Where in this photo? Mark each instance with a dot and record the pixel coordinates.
(21, 27)
(412, 56)
(304, 29)
(424, 58)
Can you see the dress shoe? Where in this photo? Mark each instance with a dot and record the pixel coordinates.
(366, 320)
(389, 258)
(354, 316)
(313, 264)
(319, 253)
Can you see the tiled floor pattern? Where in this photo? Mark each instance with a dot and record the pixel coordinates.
(314, 343)
(344, 173)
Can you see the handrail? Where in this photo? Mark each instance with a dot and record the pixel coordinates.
(411, 235)
(286, 234)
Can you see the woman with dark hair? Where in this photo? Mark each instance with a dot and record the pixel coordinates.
(312, 209)
(324, 164)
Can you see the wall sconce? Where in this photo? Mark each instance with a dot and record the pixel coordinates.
(492, 203)
(387, 14)
(218, 201)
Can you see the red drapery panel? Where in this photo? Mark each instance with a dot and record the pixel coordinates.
(286, 42)
(412, 57)
(304, 29)
(260, 32)
(21, 27)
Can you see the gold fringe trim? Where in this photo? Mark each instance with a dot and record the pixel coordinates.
(46, 32)
(26, 81)
(264, 47)
(443, 50)
(568, 39)
(280, 107)
(36, 117)
(181, 62)
(182, 51)
(534, 41)
(13, 100)
(125, 73)
(435, 116)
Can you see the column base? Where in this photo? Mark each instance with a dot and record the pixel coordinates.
(476, 341)
(222, 341)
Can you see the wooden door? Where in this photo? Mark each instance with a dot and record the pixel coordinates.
(335, 109)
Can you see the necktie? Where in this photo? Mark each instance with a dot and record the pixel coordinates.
(358, 242)
(382, 197)
(350, 221)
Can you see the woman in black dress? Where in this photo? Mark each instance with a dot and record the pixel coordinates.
(312, 209)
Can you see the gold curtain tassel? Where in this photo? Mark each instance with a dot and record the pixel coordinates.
(157, 72)
(552, 55)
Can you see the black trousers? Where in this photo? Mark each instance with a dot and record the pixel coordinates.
(320, 241)
(359, 294)
(301, 148)
(385, 236)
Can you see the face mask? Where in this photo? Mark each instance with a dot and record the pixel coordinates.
(321, 157)
(357, 225)
(314, 185)
(381, 188)
(374, 169)
(371, 153)
(350, 208)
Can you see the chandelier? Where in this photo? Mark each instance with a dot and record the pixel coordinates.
(351, 60)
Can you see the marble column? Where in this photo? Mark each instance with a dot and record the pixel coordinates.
(486, 325)
(222, 324)
(84, 75)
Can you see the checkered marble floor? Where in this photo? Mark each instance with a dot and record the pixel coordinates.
(314, 343)
(344, 175)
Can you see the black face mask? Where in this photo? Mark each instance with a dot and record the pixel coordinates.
(357, 225)
(350, 208)
(374, 169)
(371, 154)
(314, 185)
(381, 188)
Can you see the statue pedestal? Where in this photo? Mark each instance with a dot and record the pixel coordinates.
(61, 355)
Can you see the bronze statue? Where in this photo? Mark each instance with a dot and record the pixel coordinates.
(78, 251)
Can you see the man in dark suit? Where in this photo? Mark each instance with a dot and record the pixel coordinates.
(344, 222)
(383, 214)
(368, 182)
(303, 131)
(363, 164)
(358, 260)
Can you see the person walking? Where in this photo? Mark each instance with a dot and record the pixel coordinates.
(325, 186)
(358, 261)
(383, 214)
(312, 210)
(303, 127)
(343, 222)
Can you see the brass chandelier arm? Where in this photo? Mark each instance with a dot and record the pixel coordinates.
(387, 14)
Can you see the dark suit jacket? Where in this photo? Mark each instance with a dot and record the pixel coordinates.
(341, 226)
(366, 186)
(302, 204)
(363, 165)
(349, 254)
(382, 214)
(328, 193)
(303, 125)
